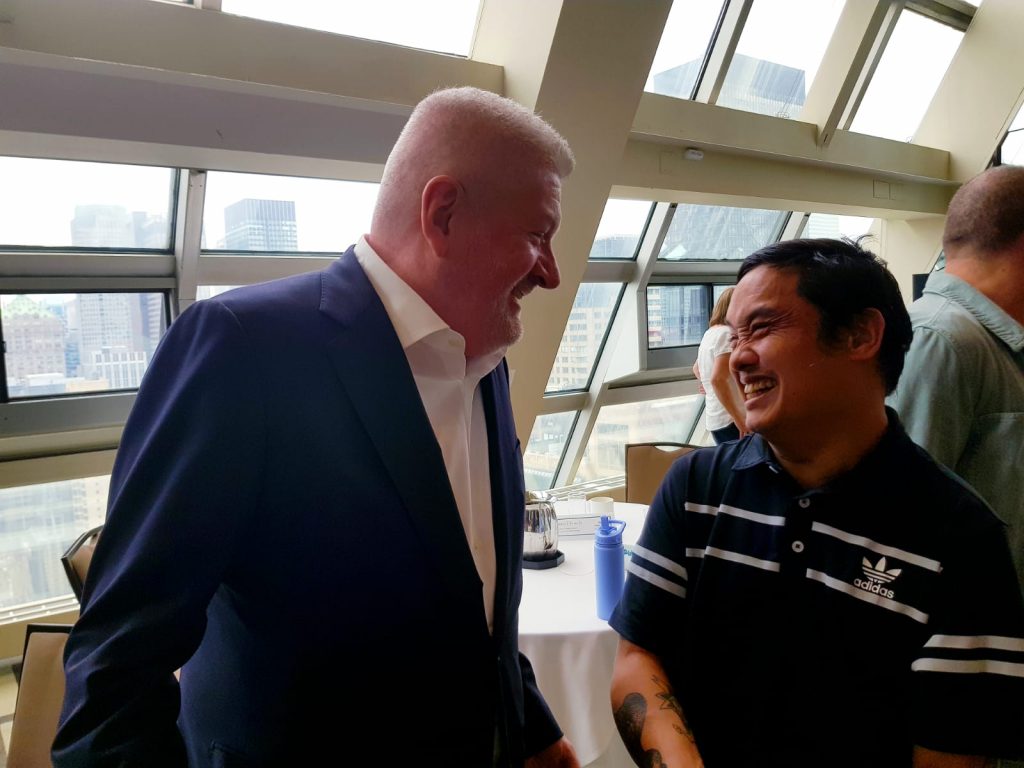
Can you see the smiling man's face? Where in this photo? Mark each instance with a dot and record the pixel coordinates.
(792, 385)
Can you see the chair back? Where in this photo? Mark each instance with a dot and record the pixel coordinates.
(78, 557)
(40, 696)
(646, 465)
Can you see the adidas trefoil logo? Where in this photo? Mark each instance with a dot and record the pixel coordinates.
(877, 577)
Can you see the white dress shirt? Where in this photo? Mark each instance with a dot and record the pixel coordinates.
(449, 388)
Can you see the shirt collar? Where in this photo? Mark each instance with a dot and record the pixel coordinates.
(411, 316)
(756, 451)
(987, 312)
(413, 319)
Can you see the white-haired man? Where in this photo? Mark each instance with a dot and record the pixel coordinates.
(317, 504)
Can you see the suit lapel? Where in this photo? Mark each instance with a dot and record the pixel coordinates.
(506, 491)
(374, 370)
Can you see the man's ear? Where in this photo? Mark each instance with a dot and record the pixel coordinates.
(864, 337)
(440, 197)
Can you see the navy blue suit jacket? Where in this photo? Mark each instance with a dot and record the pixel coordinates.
(282, 527)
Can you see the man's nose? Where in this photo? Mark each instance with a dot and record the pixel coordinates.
(546, 270)
(742, 356)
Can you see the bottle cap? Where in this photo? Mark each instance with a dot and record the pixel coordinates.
(609, 534)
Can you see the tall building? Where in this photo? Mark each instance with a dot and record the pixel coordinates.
(717, 233)
(584, 332)
(102, 226)
(34, 338)
(150, 230)
(753, 85)
(260, 225)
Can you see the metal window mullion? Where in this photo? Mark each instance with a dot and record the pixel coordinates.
(647, 254)
(953, 13)
(577, 442)
(796, 226)
(609, 272)
(188, 238)
(647, 260)
(723, 49)
(243, 270)
(883, 24)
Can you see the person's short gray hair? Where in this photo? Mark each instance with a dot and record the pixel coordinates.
(501, 121)
(472, 135)
(986, 213)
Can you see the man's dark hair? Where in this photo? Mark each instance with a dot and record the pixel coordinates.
(842, 280)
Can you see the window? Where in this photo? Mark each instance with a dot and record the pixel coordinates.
(279, 214)
(778, 55)
(719, 233)
(63, 204)
(1012, 150)
(622, 225)
(669, 419)
(440, 25)
(683, 48)
(909, 73)
(677, 315)
(831, 225)
(72, 343)
(584, 335)
(544, 452)
(209, 291)
(37, 523)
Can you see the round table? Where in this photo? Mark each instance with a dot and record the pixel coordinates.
(573, 651)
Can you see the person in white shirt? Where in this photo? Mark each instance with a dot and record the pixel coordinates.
(723, 404)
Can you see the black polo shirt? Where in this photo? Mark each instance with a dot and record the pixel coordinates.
(833, 627)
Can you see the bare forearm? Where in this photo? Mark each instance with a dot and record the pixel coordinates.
(649, 718)
(927, 758)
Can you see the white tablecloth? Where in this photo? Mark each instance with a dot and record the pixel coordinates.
(573, 651)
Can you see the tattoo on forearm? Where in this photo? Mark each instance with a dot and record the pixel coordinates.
(629, 719)
(652, 759)
(669, 701)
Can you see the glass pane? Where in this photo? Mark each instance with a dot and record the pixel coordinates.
(670, 419)
(1013, 149)
(57, 344)
(209, 291)
(63, 204)
(912, 66)
(281, 214)
(830, 225)
(622, 226)
(778, 55)
(677, 315)
(584, 334)
(447, 26)
(718, 233)
(37, 523)
(545, 449)
(682, 48)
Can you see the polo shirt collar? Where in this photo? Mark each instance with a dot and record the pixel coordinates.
(987, 312)
(756, 451)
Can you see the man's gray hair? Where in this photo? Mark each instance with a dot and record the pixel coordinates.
(469, 134)
(986, 213)
(502, 120)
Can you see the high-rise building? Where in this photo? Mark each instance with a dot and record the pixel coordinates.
(34, 338)
(753, 85)
(102, 226)
(150, 230)
(260, 225)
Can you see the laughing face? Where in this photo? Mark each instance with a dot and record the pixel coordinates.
(792, 385)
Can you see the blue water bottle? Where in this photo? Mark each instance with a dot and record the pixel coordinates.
(609, 565)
